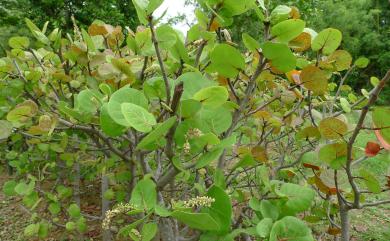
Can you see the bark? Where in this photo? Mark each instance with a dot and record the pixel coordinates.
(344, 216)
(166, 230)
(106, 236)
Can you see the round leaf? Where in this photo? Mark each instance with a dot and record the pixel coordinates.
(213, 96)
(108, 125)
(5, 129)
(332, 128)
(138, 117)
(290, 228)
(288, 30)
(226, 60)
(280, 56)
(362, 62)
(314, 79)
(19, 42)
(327, 41)
(125, 95)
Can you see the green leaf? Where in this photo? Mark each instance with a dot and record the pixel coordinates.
(88, 41)
(335, 155)
(200, 221)
(290, 228)
(138, 117)
(31, 230)
(280, 56)
(166, 36)
(9, 188)
(263, 228)
(362, 62)
(374, 81)
(70, 226)
(221, 209)
(371, 181)
(226, 60)
(213, 96)
(81, 225)
(54, 208)
(215, 152)
(19, 42)
(5, 129)
(208, 157)
(238, 7)
(299, 198)
(107, 124)
(148, 232)
(125, 95)
(123, 67)
(268, 210)
(250, 43)
(332, 128)
(288, 30)
(192, 83)
(88, 101)
(215, 120)
(145, 8)
(327, 41)
(109, 194)
(189, 108)
(144, 194)
(280, 13)
(345, 105)
(160, 131)
(22, 188)
(74, 211)
(43, 230)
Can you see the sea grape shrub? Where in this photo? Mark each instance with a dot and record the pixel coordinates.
(190, 136)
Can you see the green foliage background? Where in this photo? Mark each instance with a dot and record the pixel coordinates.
(59, 12)
(365, 25)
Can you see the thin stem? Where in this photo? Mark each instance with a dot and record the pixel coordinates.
(160, 60)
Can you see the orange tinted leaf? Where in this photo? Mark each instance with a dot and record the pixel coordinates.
(295, 13)
(382, 140)
(214, 25)
(323, 187)
(332, 128)
(314, 79)
(314, 167)
(372, 149)
(333, 231)
(259, 153)
(294, 76)
(301, 43)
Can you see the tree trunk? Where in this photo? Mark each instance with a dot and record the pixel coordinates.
(344, 216)
(105, 206)
(165, 226)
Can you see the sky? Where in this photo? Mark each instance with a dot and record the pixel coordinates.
(174, 8)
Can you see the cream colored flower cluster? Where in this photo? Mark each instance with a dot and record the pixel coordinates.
(193, 132)
(203, 201)
(110, 214)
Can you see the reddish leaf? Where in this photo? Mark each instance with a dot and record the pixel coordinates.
(332, 191)
(383, 142)
(372, 149)
(314, 167)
